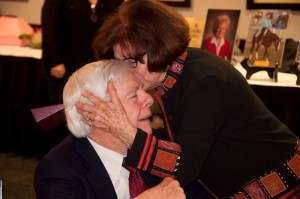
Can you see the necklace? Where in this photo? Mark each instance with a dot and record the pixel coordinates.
(93, 10)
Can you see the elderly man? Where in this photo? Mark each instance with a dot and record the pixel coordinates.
(88, 163)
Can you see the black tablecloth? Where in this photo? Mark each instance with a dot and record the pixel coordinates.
(22, 87)
(283, 102)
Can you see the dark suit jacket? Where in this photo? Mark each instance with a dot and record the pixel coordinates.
(73, 170)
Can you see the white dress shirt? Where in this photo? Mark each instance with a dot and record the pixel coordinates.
(113, 163)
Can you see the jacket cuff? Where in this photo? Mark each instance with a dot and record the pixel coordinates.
(134, 154)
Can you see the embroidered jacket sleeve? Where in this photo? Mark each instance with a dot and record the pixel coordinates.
(159, 157)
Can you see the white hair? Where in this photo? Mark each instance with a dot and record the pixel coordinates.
(92, 77)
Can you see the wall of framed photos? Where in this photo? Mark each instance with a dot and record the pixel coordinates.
(31, 10)
(199, 9)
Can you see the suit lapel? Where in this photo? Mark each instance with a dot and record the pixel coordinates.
(97, 174)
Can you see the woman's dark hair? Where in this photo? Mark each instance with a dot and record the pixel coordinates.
(148, 27)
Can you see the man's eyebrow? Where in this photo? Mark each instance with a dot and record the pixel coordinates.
(132, 90)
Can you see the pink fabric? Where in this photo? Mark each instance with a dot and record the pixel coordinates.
(50, 116)
(11, 28)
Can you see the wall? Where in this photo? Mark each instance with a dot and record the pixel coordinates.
(30, 11)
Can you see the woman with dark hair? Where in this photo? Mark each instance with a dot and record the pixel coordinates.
(219, 132)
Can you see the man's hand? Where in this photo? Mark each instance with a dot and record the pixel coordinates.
(167, 189)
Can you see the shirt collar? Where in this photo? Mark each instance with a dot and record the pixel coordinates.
(112, 160)
(214, 41)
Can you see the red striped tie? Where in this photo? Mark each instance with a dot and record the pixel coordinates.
(136, 183)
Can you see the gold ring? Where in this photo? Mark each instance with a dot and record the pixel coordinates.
(87, 117)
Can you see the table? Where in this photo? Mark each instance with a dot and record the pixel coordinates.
(282, 97)
(22, 87)
(19, 51)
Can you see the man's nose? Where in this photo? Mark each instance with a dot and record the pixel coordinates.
(148, 100)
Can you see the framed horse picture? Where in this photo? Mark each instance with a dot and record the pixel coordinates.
(266, 36)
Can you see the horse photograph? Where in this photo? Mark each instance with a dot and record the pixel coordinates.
(266, 36)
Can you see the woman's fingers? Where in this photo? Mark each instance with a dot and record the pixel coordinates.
(92, 98)
(108, 116)
(93, 120)
(97, 106)
(112, 94)
(83, 108)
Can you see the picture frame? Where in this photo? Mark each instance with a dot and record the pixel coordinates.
(264, 46)
(177, 3)
(273, 4)
(15, 0)
(221, 25)
(196, 26)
